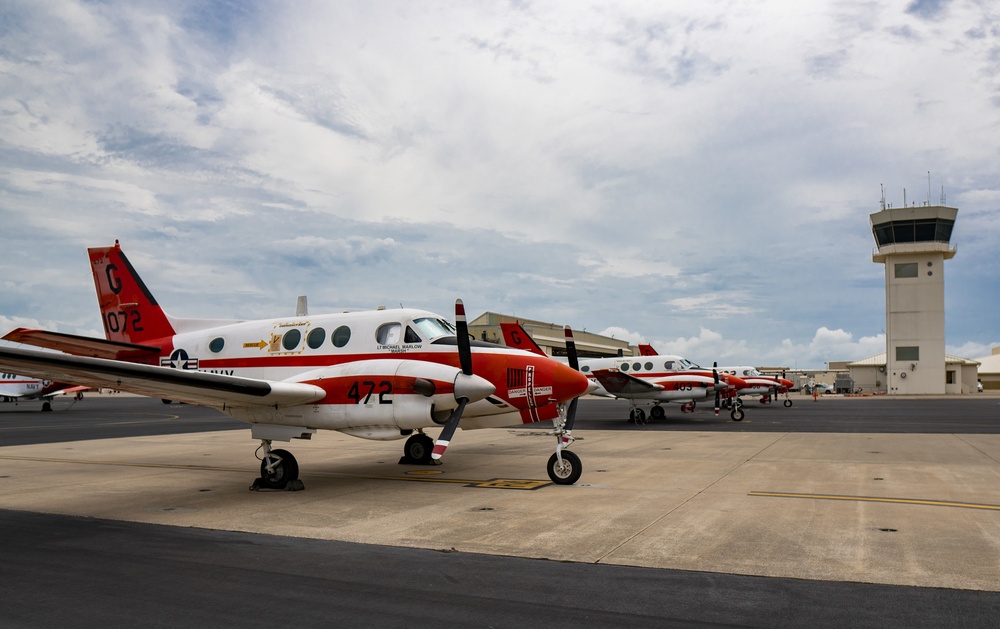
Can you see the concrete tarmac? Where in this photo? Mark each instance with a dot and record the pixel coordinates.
(905, 509)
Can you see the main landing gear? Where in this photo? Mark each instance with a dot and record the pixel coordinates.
(278, 470)
(417, 450)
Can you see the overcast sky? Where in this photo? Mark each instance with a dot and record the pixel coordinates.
(694, 175)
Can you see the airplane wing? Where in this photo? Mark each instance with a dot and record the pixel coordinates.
(618, 383)
(81, 345)
(195, 387)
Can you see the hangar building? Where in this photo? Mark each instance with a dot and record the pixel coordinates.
(550, 337)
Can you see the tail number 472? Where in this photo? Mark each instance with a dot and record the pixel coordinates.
(362, 392)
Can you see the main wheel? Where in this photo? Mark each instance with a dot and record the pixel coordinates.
(567, 473)
(657, 412)
(418, 449)
(283, 472)
(788, 403)
(737, 414)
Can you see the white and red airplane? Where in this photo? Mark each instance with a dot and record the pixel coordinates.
(382, 374)
(644, 378)
(15, 387)
(768, 387)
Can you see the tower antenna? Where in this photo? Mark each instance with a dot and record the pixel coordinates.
(928, 187)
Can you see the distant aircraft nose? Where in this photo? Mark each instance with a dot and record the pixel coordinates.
(568, 383)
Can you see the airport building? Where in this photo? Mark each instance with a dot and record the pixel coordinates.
(989, 370)
(913, 244)
(550, 337)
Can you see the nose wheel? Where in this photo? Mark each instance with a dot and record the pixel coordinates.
(564, 468)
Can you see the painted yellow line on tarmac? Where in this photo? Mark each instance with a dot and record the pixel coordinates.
(908, 501)
(424, 476)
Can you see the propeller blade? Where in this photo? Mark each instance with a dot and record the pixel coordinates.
(718, 402)
(449, 430)
(574, 362)
(464, 346)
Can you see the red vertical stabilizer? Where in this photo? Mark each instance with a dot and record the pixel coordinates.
(129, 311)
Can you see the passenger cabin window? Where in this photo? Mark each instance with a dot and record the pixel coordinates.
(388, 334)
(341, 336)
(623, 366)
(669, 365)
(291, 339)
(636, 366)
(316, 337)
(217, 344)
(648, 366)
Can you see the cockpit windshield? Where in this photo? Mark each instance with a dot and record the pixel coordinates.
(687, 364)
(432, 329)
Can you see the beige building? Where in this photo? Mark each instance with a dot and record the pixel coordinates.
(550, 337)
(913, 243)
(989, 369)
(869, 374)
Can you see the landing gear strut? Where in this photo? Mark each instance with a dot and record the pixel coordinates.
(278, 470)
(564, 467)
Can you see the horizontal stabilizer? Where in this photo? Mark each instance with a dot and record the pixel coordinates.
(82, 345)
(195, 387)
(616, 382)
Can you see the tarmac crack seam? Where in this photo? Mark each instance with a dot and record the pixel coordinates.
(683, 503)
(977, 449)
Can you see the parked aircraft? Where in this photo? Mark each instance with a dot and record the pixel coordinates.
(382, 374)
(14, 388)
(646, 378)
(767, 387)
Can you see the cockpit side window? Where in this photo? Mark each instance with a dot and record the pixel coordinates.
(411, 336)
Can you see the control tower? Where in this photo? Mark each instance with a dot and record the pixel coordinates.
(913, 243)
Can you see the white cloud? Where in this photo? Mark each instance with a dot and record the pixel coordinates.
(677, 171)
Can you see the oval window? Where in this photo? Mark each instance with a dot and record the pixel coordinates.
(636, 366)
(623, 366)
(316, 337)
(585, 368)
(291, 339)
(217, 344)
(648, 366)
(341, 336)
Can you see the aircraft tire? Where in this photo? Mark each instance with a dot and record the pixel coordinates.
(418, 449)
(46, 407)
(737, 414)
(788, 403)
(657, 412)
(166, 401)
(283, 473)
(570, 471)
